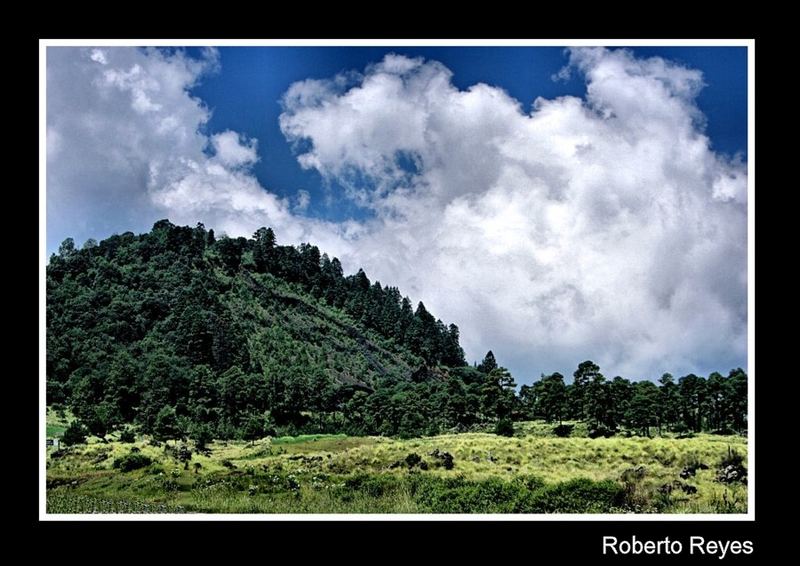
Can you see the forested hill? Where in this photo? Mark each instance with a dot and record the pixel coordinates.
(179, 332)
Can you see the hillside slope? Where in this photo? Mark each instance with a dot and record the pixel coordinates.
(181, 333)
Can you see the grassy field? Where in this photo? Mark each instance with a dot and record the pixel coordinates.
(531, 472)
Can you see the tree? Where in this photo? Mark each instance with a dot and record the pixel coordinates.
(693, 392)
(669, 403)
(67, 249)
(201, 434)
(497, 394)
(253, 428)
(264, 249)
(620, 392)
(504, 427)
(75, 434)
(488, 364)
(230, 253)
(552, 399)
(423, 337)
(166, 424)
(597, 406)
(737, 399)
(527, 398)
(716, 401)
(586, 373)
(643, 411)
(453, 354)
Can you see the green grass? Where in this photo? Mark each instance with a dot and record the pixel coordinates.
(57, 423)
(55, 430)
(319, 473)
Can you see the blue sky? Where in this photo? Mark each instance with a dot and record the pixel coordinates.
(598, 216)
(245, 95)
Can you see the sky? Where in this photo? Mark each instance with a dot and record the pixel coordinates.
(556, 204)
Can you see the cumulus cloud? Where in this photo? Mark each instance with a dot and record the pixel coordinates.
(125, 148)
(233, 151)
(602, 227)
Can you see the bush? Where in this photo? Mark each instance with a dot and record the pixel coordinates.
(75, 434)
(732, 458)
(504, 427)
(725, 431)
(127, 436)
(413, 459)
(601, 431)
(201, 434)
(563, 430)
(576, 496)
(373, 486)
(525, 494)
(132, 461)
(445, 458)
(183, 454)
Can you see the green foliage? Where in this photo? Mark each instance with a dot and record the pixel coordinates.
(563, 430)
(75, 434)
(523, 495)
(504, 427)
(127, 435)
(333, 473)
(601, 431)
(166, 424)
(180, 333)
(132, 461)
(731, 458)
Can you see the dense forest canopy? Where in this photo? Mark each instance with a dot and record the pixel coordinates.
(183, 334)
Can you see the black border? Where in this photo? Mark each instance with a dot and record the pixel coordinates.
(420, 540)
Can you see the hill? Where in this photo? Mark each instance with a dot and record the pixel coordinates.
(181, 333)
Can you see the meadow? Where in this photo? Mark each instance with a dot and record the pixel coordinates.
(531, 472)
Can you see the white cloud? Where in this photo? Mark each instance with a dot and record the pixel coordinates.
(233, 151)
(125, 148)
(303, 200)
(603, 228)
(99, 56)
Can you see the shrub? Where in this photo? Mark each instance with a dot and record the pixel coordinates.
(183, 454)
(373, 486)
(201, 434)
(444, 458)
(601, 431)
(127, 436)
(563, 430)
(732, 468)
(413, 459)
(504, 427)
(575, 496)
(732, 458)
(132, 461)
(526, 494)
(725, 431)
(75, 434)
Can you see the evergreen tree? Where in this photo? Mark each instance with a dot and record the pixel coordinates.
(488, 364)
(552, 398)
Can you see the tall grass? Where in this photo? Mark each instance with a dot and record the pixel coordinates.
(340, 474)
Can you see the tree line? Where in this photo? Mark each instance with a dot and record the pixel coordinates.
(183, 334)
(692, 403)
